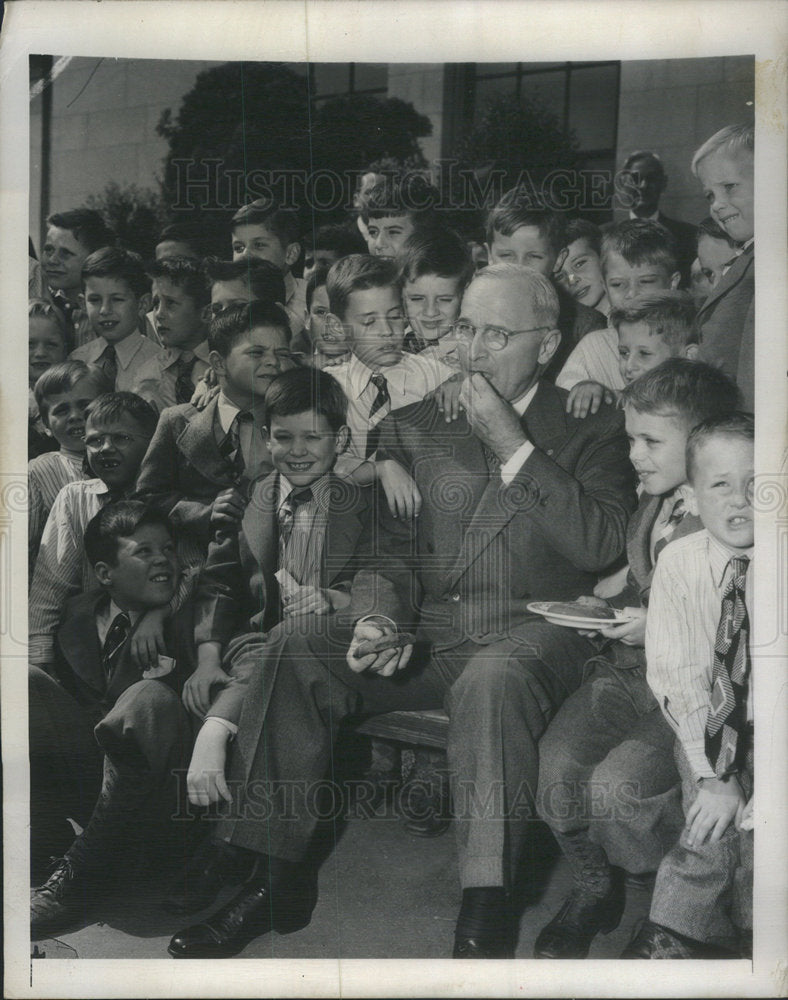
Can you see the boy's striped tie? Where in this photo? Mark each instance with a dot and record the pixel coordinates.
(727, 715)
(381, 399)
(113, 644)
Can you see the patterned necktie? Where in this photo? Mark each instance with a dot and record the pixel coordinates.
(231, 446)
(184, 387)
(286, 516)
(677, 514)
(109, 363)
(727, 715)
(113, 644)
(492, 460)
(381, 399)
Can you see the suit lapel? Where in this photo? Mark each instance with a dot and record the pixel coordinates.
(342, 530)
(639, 546)
(197, 441)
(78, 640)
(260, 529)
(732, 277)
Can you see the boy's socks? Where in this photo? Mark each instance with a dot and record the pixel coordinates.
(590, 867)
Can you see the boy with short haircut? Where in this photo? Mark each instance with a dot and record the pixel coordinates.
(326, 245)
(200, 462)
(325, 348)
(521, 231)
(264, 231)
(117, 297)
(581, 272)
(699, 668)
(236, 282)
(139, 721)
(637, 259)
(724, 165)
(70, 239)
(298, 561)
(48, 344)
(394, 208)
(118, 427)
(434, 270)
(650, 329)
(366, 308)
(63, 394)
(607, 783)
(179, 239)
(181, 314)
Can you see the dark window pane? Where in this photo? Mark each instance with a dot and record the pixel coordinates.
(371, 76)
(593, 99)
(332, 78)
(299, 67)
(546, 89)
(531, 67)
(488, 89)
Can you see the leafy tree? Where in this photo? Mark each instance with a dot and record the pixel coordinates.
(136, 215)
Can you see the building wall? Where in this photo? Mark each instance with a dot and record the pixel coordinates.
(104, 117)
(671, 106)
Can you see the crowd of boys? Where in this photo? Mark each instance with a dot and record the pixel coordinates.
(263, 504)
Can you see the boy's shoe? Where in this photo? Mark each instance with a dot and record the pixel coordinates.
(260, 907)
(62, 899)
(655, 941)
(583, 915)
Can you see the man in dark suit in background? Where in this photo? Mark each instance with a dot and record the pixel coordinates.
(135, 715)
(645, 180)
(520, 502)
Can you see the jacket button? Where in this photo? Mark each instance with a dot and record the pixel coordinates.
(455, 597)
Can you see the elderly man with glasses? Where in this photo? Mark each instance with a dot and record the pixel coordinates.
(521, 502)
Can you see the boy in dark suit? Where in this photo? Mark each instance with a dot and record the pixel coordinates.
(140, 723)
(724, 165)
(607, 781)
(200, 462)
(304, 536)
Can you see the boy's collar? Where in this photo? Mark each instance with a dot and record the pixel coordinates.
(321, 489)
(124, 349)
(720, 556)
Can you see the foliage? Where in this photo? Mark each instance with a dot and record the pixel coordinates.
(136, 215)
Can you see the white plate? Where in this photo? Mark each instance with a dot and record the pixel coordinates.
(573, 621)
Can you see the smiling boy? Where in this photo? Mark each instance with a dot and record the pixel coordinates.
(117, 297)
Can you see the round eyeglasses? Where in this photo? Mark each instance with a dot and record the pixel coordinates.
(494, 337)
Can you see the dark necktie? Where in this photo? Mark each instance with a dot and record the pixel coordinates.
(113, 644)
(109, 363)
(666, 532)
(727, 709)
(381, 399)
(184, 387)
(286, 515)
(492, 460)
(231, 446)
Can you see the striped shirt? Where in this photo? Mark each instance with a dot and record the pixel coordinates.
(303, 553)
(681, 631)
(595, 359)
(46, 476)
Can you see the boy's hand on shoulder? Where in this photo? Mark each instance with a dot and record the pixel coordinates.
(632, 632)
(205, 390)
(146, 642)
(746, 820)
(228, 509)
(197, 689)
(587, 397)
(402, 493)
(447, 397)
(719, 803)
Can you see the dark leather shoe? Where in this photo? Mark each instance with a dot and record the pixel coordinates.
(655, 941)
(571, 931)
(483, 947)
(210, 868)
(257, 909)
(62, 899)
